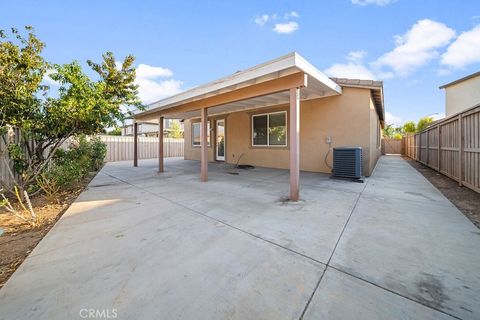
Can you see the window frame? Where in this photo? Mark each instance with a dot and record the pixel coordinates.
(268, 145)
(193, 132)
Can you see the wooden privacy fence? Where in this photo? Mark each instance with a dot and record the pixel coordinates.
(451, 146)
(392, 146)
(6, 164)
(120, 148)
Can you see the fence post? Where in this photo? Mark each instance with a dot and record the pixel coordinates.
(460, 150)
(428, 151)
(439, 148)
(415, 147)
(135, 144)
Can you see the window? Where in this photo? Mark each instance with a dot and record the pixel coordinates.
(260, 125)
(196, 133)
(269, 129)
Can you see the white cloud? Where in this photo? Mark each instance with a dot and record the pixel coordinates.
(150, 91)
(416, 47)
(282, 24)
(148, 72)
(350, 70)
(465, 50)
(286, 28)
(153, 86)
(392, 119)
(261, 20)
(353, 69)
(356, 56)
(375, 2)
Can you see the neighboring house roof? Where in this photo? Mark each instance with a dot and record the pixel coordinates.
(473, 75)
(376, 88)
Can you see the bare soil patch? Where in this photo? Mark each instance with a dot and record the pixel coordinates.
(465, 199)
(19, 238)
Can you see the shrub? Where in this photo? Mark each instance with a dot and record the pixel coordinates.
(70, 166)
(98, 153)
(50, 186)
(88, 153)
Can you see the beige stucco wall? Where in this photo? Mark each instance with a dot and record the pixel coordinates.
(462, 96)
(349, 118)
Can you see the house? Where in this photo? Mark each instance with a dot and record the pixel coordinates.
(281, 114)
(148, 129)
(462, 94)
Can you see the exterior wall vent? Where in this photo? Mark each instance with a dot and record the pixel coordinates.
(347, 163)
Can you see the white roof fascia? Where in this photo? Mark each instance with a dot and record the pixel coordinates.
(309, 69)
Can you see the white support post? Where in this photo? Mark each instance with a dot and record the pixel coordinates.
(135, 144)
(204, 145)
(160, 144)
(294, 144)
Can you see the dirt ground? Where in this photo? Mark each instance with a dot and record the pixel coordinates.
(466, 200)
(19, 238)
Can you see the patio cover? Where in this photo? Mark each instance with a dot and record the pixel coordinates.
(242, 96)
(285, 80)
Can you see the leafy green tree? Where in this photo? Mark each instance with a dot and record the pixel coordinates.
(389, 131)
(175, 130)
(82, 106)
(22, 69)
(115, 132)
(409, 127)
(423, 123)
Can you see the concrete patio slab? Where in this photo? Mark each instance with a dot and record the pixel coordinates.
(153, 260)
(419, 245)
(341, 296)
(165, 245)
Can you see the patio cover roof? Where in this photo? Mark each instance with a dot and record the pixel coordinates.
(285, 68)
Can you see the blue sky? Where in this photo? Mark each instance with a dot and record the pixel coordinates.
(414, 46)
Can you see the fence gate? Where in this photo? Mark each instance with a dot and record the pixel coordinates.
(392, 146)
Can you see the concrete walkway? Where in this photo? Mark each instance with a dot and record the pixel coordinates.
(138, 245)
